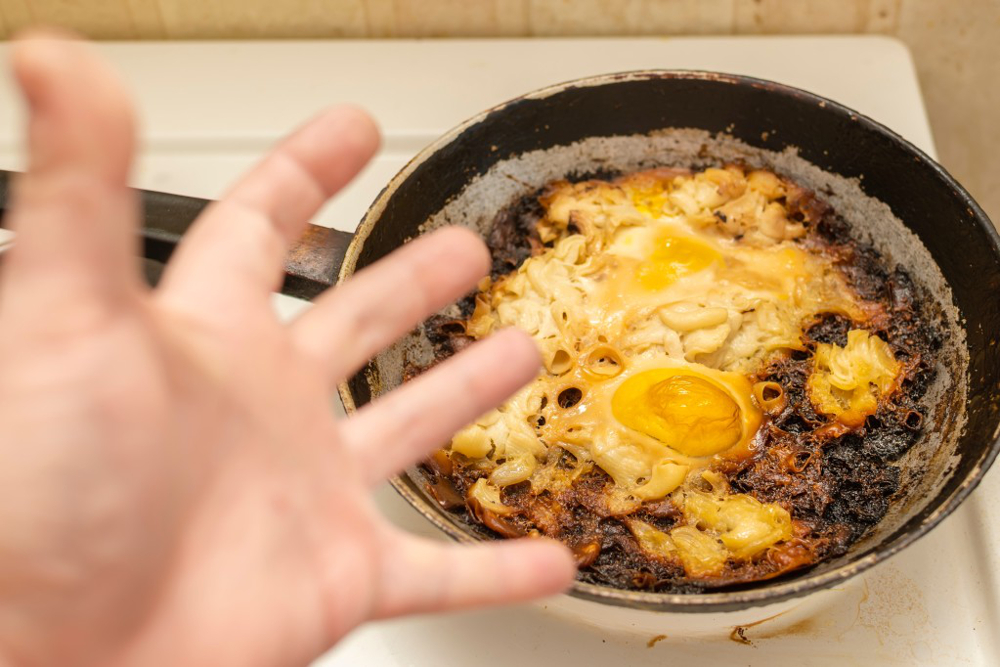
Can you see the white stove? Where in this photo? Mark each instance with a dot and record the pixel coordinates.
(210, 109)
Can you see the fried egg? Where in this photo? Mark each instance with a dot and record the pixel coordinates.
(655, 411)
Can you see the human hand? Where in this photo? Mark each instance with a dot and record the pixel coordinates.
(174, 487)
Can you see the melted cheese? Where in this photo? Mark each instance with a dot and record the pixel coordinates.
(848, 381)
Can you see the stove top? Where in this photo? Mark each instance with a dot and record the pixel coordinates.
(210, 109)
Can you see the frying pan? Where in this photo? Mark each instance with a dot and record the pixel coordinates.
(893, 195)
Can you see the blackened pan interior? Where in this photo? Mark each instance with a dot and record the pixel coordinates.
(958, 235)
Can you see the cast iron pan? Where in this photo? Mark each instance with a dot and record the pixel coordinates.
(961, 241)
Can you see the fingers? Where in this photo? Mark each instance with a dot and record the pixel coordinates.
(239, 243)
(72, 210)
(400, 428)
(418, 575)
(353, 321)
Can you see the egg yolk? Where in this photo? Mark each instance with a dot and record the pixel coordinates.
(649, 198)
(674, 257)
(685, 412)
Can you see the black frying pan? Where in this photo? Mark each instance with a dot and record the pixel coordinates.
(758, 121)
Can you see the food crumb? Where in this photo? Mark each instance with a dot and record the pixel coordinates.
(739, 636)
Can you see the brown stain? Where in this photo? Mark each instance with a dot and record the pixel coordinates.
(765, 620)
(739, 636)
(807, 626)
(894, 600)
(652, 642)
(812, 625)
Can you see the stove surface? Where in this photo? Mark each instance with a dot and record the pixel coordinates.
(209, 109)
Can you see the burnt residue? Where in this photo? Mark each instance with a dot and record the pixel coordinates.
(837, 483)
(513, 237)
(447, 334)
(840, 484)
(739, 635)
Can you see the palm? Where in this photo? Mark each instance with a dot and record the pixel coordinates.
(180, 490)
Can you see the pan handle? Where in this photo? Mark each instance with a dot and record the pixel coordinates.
(312, 264)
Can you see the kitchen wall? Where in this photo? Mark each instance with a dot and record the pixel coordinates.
(956, 43)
